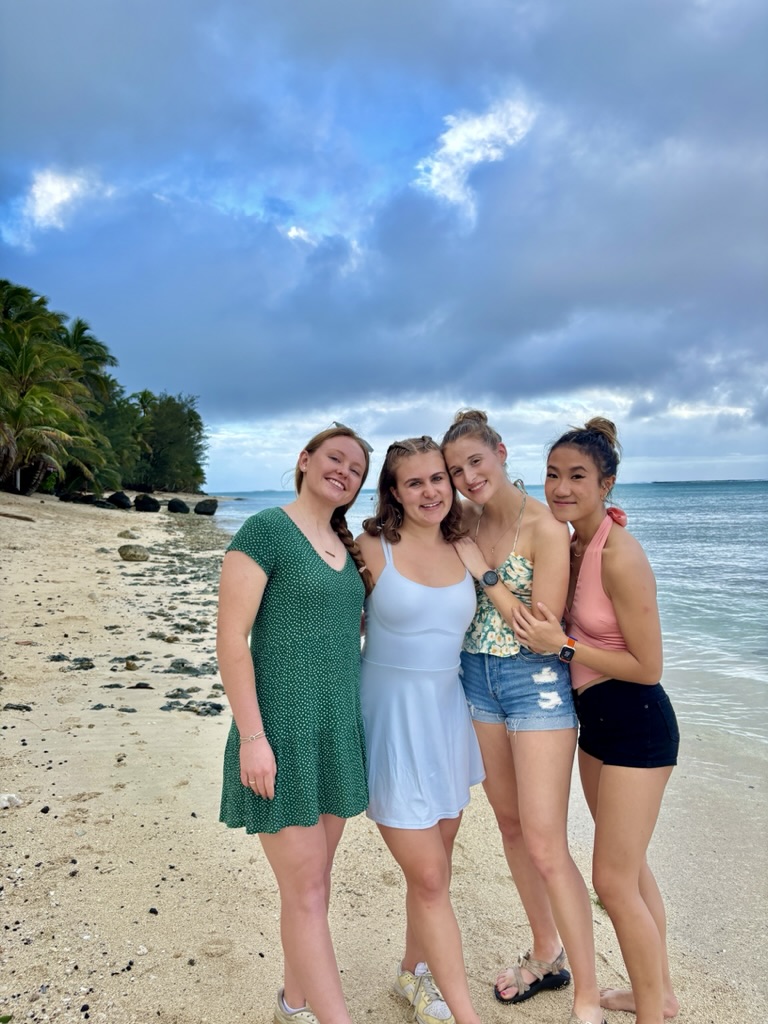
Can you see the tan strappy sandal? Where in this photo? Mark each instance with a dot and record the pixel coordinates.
(547, 975)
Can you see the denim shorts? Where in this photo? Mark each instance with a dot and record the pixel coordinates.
(628, 724)
(527, 692)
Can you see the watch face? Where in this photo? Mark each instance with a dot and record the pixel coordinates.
(567, 653)
(490, 578)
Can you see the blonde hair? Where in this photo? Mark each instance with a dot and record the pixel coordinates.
(472, 423)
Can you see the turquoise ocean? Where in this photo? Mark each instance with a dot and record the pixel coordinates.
(708, 545)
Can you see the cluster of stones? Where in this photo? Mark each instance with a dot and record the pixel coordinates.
(142, 503)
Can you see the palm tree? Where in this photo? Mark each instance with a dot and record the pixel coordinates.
(94, 355)
(41, 400)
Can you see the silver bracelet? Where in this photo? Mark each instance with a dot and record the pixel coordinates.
(252, 737)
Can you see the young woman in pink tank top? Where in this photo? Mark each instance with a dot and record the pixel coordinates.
(628, 738)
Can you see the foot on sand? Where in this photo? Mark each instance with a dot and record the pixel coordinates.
(623, 999)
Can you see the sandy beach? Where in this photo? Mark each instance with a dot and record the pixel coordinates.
(124, 900)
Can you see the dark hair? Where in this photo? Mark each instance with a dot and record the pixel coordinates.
(339, 517)
(598, 439)
(471, 423)
(388, 516)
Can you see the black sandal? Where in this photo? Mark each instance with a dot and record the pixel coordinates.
(547, 976)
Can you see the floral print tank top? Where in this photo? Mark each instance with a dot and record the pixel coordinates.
(488, 632)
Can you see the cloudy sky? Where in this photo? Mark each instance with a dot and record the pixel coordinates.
(378, 213)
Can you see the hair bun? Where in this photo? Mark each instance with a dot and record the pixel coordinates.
(470, 416)
(600, 425)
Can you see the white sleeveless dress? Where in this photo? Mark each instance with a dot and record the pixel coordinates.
(423, 754)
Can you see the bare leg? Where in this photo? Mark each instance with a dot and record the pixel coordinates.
(501, 789)
(301, 859)
(623, 998)
(422, 856)
(543, 762)
(625, 804)
(414, 951)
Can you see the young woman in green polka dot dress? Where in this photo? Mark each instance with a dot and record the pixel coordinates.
(294, 766)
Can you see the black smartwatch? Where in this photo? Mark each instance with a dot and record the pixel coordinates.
(568, 650)
(489, 579)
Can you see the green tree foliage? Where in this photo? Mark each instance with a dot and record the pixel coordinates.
(174, 443)
(62, 412)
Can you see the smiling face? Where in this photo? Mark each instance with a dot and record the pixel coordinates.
(423, 488)
(477, 471)
(335, 471)
(573, 487)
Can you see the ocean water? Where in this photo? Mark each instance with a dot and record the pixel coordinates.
(708, 545)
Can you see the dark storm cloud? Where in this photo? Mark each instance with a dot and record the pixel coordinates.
(619, 245)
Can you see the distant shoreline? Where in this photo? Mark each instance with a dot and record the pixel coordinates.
(619, 486)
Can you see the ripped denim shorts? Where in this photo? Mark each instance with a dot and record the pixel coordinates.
(527, 692)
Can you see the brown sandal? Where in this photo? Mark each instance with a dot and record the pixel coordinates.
(547, 976)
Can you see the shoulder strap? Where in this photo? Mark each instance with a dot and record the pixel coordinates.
(386, 547)
(519, 522)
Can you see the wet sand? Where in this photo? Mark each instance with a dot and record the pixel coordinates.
(124, 900)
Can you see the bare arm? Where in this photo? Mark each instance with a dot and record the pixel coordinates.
(240, 592)
(629, 582)
(551, 566)
(550, 571)
(373, 554)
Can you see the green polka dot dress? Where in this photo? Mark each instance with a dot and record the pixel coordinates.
(305, 645)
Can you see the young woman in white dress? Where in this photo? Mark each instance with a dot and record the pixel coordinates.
(423, 755)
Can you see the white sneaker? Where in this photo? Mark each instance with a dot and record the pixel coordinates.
(426, 999)
(302, 1016)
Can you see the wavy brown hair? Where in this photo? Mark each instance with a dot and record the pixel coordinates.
(388, 516)
(339, 517)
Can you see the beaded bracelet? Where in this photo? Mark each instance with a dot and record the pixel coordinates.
(253, 736)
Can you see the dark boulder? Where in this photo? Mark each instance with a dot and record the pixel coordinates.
(104, 504)
(207, 507)
(120, 500)
(143, 503)
(177, 505)
(83, 499)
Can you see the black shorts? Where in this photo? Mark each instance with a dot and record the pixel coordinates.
(628, 724)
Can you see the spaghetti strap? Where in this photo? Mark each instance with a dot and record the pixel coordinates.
(521, 487)
(386, 547)
(519, 522)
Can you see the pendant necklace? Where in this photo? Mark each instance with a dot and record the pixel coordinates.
(333, 554)
(508, 528)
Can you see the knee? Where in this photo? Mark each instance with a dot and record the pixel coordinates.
(613, 887)
(510, 828)
(549, 854)
(429, 882)
(306, 894)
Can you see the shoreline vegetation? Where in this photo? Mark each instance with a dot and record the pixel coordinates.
(67, 425)
(125, 901)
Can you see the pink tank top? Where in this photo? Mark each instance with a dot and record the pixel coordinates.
(591, 617)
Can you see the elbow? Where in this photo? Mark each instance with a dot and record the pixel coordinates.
(650, 672)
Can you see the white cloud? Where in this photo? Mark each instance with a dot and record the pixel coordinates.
(48, 203)
(472, 139)
(299, 234)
